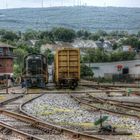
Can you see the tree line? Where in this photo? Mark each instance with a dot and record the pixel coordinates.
(21, 40)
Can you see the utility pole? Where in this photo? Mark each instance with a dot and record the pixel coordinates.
(6, 4)
(42, 3)
(6, 84)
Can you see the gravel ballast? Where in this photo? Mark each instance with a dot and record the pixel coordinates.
(64, 111)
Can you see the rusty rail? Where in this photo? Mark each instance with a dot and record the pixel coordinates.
(105, 110)
(64, 131)
(124, 104)
(105, 85)
(11, 99)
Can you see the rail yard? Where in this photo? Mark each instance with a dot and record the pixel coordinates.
(70, 114)
(66, 107)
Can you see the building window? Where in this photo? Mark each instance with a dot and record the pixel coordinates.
(96, 68)
(1, 51)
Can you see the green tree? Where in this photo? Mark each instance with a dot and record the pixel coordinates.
(101, 33)
(63, 34)
(94, 37)
(86, 71)
(20, 54)
(83, 34)
(50, 56)
(133, 41)
(30, 34)
(119, 34)
(122, 56)
(95, 55)
(17, 70)
(19, 61)
(115, 46)
(9, 36)
(46, 37)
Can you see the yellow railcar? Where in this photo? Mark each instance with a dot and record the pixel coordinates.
(67, 67)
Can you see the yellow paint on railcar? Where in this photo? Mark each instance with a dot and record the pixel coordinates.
(67, 64)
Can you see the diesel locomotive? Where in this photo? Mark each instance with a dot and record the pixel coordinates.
(35, 71)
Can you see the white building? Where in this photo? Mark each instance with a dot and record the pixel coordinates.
(108, 69)
(80, 43)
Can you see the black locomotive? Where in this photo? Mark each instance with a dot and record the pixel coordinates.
(35, 71)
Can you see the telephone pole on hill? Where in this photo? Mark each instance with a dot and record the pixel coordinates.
(42, 3)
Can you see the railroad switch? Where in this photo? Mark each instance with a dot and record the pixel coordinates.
(107, 129)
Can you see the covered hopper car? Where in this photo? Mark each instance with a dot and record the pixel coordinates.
(67, 67)
(35, 73)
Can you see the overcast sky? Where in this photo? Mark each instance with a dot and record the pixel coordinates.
(49, 3)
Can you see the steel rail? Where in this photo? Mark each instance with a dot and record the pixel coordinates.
(64, 131)
(11, 99)
(78, 92)
(116, 103)
(108, 85)
(105, 110)
(22, 134)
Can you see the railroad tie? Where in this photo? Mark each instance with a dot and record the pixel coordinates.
(6, 131)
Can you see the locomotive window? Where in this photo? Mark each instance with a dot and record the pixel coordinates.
(37, 57)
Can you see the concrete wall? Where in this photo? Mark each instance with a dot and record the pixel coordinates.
(102, 69)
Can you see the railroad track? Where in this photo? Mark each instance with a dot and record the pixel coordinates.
(108, 106)
(104, 85)
(28, 127)
(33, 128)
(67, 132)
(90, 131)
(130, 104)
(77, 92)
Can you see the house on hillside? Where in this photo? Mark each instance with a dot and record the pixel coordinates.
(127, 48)
(79, 43)
(106, 45)
(53, 47)
(32, 42)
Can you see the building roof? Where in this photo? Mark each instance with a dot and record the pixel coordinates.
(99, 44)
(3, 45)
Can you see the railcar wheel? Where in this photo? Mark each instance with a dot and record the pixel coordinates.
(72, 85)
